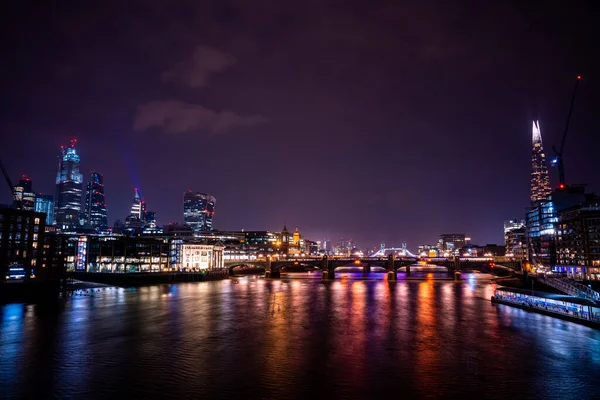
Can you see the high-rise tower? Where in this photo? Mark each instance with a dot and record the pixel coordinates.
(23, 196)
(540, 181)
(198, 210)
(95, 202)
(137, 206)
(68, 188)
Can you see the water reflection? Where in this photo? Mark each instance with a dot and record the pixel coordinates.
(294, 338)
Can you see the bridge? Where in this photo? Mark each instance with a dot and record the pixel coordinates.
(328, 265)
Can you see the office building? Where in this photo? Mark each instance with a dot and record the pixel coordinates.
(68, 188)
(514, 238)
(44, 203)
(137, 206)
(21, 241)
(199, 256)
(95, 202)
(451, 243)
(578, 237)
(198, 211)
(23, 195)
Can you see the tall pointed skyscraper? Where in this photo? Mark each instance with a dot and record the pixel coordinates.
(136, 205)
(540, 180)
(68, 188)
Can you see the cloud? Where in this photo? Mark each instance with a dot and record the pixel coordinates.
(176, 116)
(204, 62)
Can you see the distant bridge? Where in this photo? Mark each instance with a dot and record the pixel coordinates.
(328, 265)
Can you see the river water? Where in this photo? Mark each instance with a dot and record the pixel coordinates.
(358, 337)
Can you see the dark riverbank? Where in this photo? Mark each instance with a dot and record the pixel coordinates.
(29, 292)
(149, 278)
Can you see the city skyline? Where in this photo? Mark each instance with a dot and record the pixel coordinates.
(374, 143)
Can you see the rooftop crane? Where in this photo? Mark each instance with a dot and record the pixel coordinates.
(8, 181)
(558, 154)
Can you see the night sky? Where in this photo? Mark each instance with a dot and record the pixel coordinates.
(383, 121)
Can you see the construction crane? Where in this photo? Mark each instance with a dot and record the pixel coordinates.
(558, 154)
(8, 181)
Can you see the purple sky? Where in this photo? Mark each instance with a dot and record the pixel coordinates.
(382, 121)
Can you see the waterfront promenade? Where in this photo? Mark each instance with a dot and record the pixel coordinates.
(569, 308)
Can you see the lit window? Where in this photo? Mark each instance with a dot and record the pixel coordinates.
(36, 221)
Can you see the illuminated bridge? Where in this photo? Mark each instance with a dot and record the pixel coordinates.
(328, 265)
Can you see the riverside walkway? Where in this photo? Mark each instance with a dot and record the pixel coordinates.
(574, 309)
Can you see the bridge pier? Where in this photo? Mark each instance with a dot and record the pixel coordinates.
(328, 275)
(392, 276)
(328, 268)
(408, 270)
(367, 268)
(456, 264)
(271, 271)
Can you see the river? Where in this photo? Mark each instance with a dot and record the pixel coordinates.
(358, 337)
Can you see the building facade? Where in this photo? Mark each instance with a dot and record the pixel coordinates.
(451, 243)
(22, 235)
(23, 195)
(137, 207)
(199, 256)
(68, 188)
(44, 203)
(578, 237)
(198, 211)
(95, 202)
(515, 239)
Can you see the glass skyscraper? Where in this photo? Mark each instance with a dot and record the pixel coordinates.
(95, 202)
(137, 207)
(23, 195)
(541, 216)
(44, 203)
(540, 180)
(68, 188)
(198, 210)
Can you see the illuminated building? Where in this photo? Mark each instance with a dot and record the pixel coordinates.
(450, 243)
(149, 219)
(23, 196)
(21, 240)
(95, 202)
(68, 188)
(514, 238)
(578, 239)
(44, 203)
(99, 253)
(540, 180)
(540, 219)
(199, 256)
(137, 206)
(427, 250)
(140, 220)
(198, 211)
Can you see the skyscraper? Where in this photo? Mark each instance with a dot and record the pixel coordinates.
(68, 188)
(44, 203)
(540, 180)
(136, 206)
(95, 202)
(198, 210)
(23, 195)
